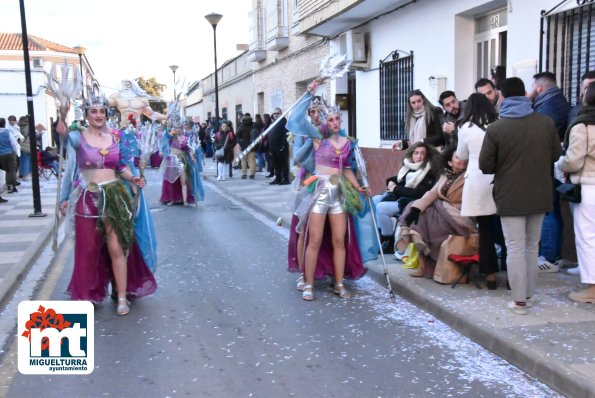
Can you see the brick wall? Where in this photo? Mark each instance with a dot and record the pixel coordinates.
(282, 76)
(381, 163)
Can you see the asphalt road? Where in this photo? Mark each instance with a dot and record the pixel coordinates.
(227, 321)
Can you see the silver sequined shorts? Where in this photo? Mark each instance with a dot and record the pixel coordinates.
(330, 200)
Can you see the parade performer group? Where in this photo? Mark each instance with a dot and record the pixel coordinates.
(326, 215)
(114, 239)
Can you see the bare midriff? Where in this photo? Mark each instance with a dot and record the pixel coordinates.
(326, 170)
(98, 176)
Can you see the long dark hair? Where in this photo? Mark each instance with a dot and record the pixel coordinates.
(479, 111)
(431, 154)
(258, 122)
(267, 120)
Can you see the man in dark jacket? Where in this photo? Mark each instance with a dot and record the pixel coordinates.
(519, 149)
(279, 148)
(453, 114)
(244, 139)
(549, 100)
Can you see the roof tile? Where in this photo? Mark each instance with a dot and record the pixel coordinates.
(13, 41)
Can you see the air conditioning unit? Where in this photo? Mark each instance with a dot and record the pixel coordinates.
(37, 63)
(353, 44)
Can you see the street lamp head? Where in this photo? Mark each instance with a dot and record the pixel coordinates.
(80, 50)
(174, 68)
(213, 19)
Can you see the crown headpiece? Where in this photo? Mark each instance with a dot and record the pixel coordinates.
(316, 103)
(324, 108)
(95, 99)
(174, 115)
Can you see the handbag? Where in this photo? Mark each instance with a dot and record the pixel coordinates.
(570, 191)
(220, 153)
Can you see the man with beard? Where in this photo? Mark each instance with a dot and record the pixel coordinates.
(488, 88)
(454, 110)
(131, 99)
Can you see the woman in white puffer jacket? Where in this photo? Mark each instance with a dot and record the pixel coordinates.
(579, 163)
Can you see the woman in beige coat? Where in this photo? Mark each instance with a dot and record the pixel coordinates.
(428, 221)
(579, 163)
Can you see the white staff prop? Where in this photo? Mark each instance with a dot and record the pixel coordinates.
(64, 91)
(361, 165)
(331, 67)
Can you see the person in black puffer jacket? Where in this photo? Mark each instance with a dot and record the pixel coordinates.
(279, 148)
(245, 139)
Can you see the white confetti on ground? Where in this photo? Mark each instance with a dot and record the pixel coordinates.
(474, 363)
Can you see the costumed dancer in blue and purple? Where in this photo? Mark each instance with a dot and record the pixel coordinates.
(156, 158)
(326, 216)
(303, 160)
(181, 174)
(106, 241)
(134, 155)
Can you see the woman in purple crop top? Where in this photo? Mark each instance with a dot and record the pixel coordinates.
(103, 217)
(334, 198)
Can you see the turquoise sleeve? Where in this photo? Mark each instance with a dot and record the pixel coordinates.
(298, 123)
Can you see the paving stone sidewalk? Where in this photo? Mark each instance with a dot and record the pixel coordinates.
(23, 237)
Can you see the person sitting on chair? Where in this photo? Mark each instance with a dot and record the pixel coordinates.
(416, 176)
(428, 221)
(48, 158)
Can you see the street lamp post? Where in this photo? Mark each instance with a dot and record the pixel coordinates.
(214, 19)
(80, 51)
(32, 138)
(174, 68)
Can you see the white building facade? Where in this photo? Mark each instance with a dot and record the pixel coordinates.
(43, 55)
(445, 45)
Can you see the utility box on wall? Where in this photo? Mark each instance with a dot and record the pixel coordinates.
(437, 85)
(352, 44)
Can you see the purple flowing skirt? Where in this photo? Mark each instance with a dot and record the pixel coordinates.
(92, 263)
(155, 159)
(172, 192)
(354, 266)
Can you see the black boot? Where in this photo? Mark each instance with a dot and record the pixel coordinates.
(388, 244)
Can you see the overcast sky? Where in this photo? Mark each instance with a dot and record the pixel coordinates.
(126, 39)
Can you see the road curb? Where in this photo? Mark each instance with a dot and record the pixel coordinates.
(561, 378)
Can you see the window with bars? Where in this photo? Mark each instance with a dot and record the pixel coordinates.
(396, 81)
(565, 49)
